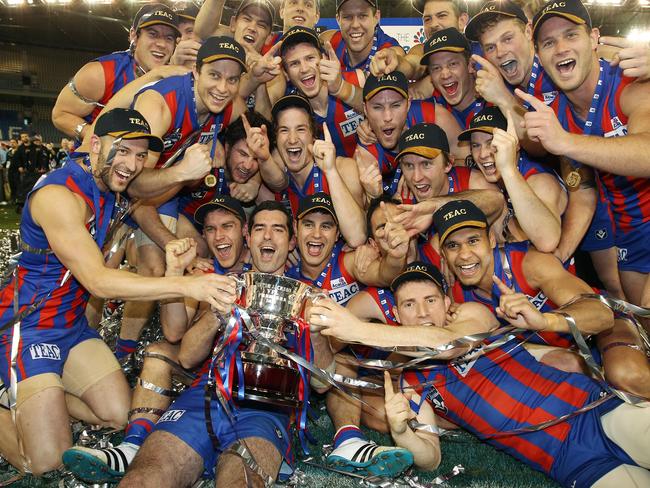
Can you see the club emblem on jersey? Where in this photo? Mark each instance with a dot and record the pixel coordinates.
(622, 254)
(208, 135)
(171, 139)
(351, 122)
(549, 96)
(619, 129)
(601, 234)
(198, 195)
(436, 399)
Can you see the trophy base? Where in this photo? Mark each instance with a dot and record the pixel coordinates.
(273, 381)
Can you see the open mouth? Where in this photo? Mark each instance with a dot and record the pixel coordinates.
(566, 66)
(451, 88)
(308, 81)
(509, 67)
(218, 99)
(388, 131)
(267, 252)
(158, 55)
(468, 269)
(315, 248)
(294, 153)
(489, 167)
(248, 38)
(243, 173)
(355, 36)
(123, 175)
(422, 189)
(299, 20)
(223, 250)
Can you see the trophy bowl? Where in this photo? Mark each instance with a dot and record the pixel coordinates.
(274, 303)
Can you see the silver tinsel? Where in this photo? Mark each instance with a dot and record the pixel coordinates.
(9, 249)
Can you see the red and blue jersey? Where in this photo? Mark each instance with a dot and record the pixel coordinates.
(421, 111)
(540, 84)
(463, 117)
(381, 41)
(119, 70)
(385, 300)
(508, 267)
(339, 283)
(629, 197)
(40, 272)
(342, 122)
(271, 41)
(315, 182)
(178, 93)
(487, 392)
(191, 197)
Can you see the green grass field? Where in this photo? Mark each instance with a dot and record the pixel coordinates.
(484, 466)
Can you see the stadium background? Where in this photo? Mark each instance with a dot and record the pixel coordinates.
(44, 42)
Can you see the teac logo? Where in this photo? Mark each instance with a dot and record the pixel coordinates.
(489, 8)
(387, 78)
(228, 45)
(320, 200)
(436, 40)
(416, 267)
(483, 118)
(417, 136)
(455, 213)
(137, 121)
(554, 5)
(162, 13)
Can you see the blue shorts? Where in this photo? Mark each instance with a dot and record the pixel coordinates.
(170, 208)
(42, 350)
(588, 454)
(185, 419)
(600, 234)
(633, 249)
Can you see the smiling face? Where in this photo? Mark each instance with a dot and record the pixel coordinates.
(483, 155)
(294, 135)
(421, 303)
(269, 241)
(439, 15)
(241, 165)
(154, 46)
(567, 52)
(426, 178)
(301, 66)
(450, 76)
(386, 113)
(128, 161)
(317, 234)
(251, 27)
(217, 84)
(508, 45)
(299, 12)
(222, 231)
(468, 253)
(357, 23)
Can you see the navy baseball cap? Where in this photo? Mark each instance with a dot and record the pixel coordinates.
(156, 14)
(396, 81)
(490, 10)
(449, 39)
(221, 47)
(225, 202)
(573, 10)
(318, 201)
(485, 121)
(426, 140)
(291, 101)
(458, 214)
(418, 271)
(127, 124)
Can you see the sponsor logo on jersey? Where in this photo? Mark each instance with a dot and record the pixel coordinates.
(436, 399)
(171, 416)
(45, 351)
(341, 294)
(351, 122)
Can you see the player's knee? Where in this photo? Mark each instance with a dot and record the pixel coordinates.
(564, 360)
(153, 364)
(632, 376)
(44, 462)
(151, 269)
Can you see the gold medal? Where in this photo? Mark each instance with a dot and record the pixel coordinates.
(210, 181)
(573, 179)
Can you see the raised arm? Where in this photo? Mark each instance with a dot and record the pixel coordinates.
(208, 21)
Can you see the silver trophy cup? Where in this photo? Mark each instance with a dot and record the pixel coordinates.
(274, 303)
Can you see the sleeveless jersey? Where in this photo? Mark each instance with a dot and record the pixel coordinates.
(381, 41)
(315, 182)
(178, 93)
(505, 389)
(385, 300)
(629, 197)
(421, 111)
(463, 117)
(540, 84)
(40, 274)
(335, 278)
(119, 70)
(342, 122)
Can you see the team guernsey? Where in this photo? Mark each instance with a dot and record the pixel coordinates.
(119, 70)
(315, 182)
(191, 197)
(334, 278)
(381, 41)
(420, 111)
(385, 300)
(178, 93)
(540, 84)
(490, 391)
(58, 323)
(465, 116)
(629, 198)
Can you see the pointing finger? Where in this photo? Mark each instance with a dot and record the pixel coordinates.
(326, 133)
(388, 386)
(247, 126)
(532, 101)
(510, 129)
(502, 286)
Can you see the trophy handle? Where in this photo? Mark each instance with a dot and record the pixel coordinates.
(239, 283)
(314, 295)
